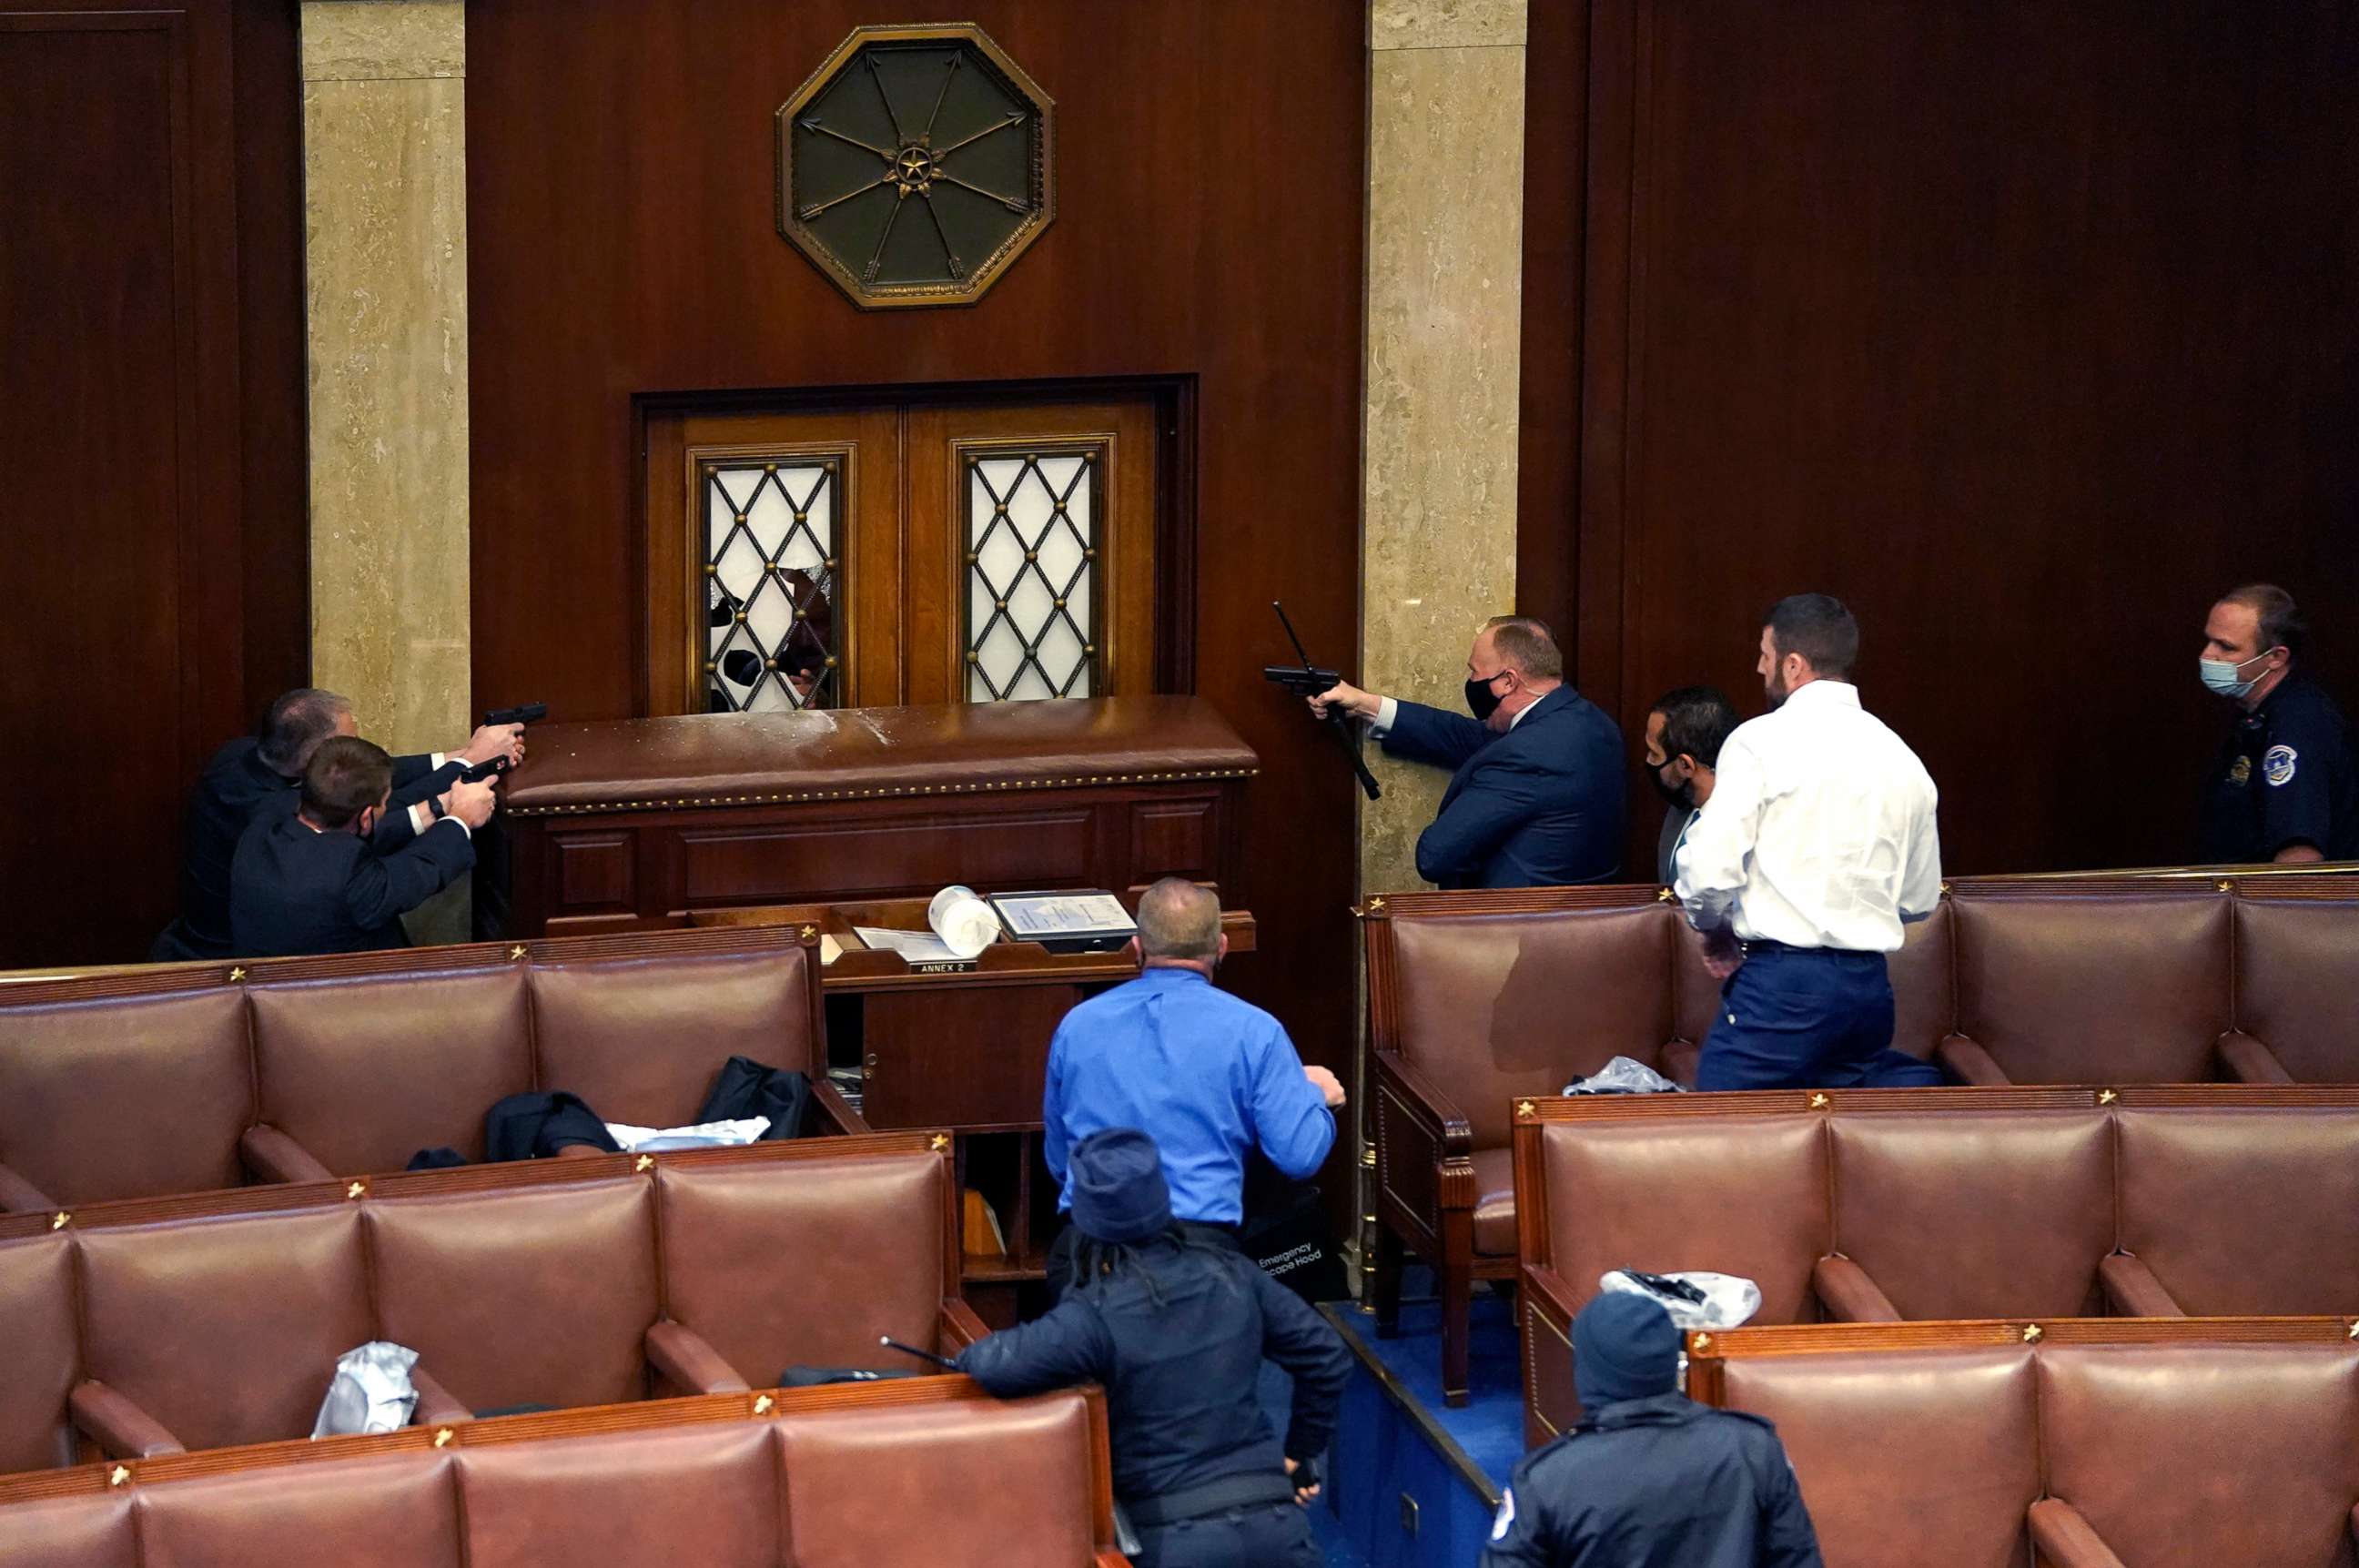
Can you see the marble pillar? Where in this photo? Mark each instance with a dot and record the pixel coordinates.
(386, 270)
(1444, 329)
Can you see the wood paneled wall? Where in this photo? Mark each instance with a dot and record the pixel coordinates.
(1211, 184)
(151, 437)
(2025, 328)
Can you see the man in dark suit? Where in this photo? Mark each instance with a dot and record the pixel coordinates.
(1537, 795)
(268, 766)
(308, 876)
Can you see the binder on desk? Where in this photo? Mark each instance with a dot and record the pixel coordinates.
(1066, 922)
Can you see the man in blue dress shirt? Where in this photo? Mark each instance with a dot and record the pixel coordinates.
(1209, 1077)
(1535, 794)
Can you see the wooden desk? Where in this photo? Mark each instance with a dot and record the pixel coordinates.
(610, 826)
(967, 1051)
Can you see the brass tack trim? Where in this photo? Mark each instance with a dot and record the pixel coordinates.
(1368, 1157)
(442, 1438)
(119, 1475)
(646, 1162)
(59, 1220)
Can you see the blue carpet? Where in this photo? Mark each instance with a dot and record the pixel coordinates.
(1490, 1428)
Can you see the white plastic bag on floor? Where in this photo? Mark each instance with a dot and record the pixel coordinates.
(370, 1393)
(1729, 1300)
(1623, 1075)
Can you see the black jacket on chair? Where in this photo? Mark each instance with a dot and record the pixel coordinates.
(296, 890)
(235, 783)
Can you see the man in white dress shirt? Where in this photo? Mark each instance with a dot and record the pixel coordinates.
(1817, 845)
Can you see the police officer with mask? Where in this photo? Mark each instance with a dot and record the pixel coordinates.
(1649, 1478)
(1176, 1330)
(2283, 787)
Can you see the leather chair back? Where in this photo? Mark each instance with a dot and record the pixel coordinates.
(2190, 1459)
(1736, 1195)
(1484, 1002)
(366, 1070)
(126, 1097)
(2243, 1210)
(2051, 983)
(1977, 1213)
(1943, 1447)
(2297, 976)
(41, 1361)
(523, 1295)
(225, 1330)
(933, 1485)
(704, 1495)
(1924, 1000)
(94, 1531)
(394, 1512)
(596, 1020)
(807, 1264)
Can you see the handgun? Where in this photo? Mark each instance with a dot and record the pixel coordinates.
(475, 773)
(524, 714)
(1307, 680)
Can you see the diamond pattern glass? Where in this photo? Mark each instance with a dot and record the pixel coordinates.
(1031, 577)
(771, 571)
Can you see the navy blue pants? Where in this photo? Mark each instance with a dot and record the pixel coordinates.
(1269, 1535)
(1793, 1018)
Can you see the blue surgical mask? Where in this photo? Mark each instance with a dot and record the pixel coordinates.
(2221, 676)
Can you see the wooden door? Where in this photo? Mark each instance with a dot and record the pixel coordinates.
(915, 551)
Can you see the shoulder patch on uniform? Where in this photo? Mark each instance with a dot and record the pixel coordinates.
(2277, 765)
(1505, 1519)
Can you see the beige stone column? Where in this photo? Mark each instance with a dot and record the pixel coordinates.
(1443, 347)
(1444, 331)
(385, 263)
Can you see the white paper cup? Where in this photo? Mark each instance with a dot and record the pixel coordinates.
(963, 921)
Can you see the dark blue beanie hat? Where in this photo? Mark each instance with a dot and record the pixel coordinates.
(1624, 1347)
(1116, 1178)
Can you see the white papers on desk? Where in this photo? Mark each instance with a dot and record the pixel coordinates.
(914, 947)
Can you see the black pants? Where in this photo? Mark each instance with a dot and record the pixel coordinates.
(1059, 1265)
(1267, 1535)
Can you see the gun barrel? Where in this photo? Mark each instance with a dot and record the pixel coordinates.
(523, 714)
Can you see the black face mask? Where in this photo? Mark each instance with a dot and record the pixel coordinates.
(1680, 796)
(1481, 701)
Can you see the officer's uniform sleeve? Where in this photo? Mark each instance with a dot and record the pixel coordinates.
(1788, 1537)
(1300, 1340)
(1067, 1345)
(1519, 1534)
(2297, 791)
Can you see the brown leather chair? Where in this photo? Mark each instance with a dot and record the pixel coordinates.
(2189, 1445)
(187, 1078)
(1477, 1000)
(1933, 1463)
(1930, 1204)
(539, 1284)
(929, 1471)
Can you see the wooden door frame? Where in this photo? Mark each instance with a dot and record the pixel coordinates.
(1176, 484)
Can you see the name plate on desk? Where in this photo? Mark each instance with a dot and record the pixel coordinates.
(614, 826)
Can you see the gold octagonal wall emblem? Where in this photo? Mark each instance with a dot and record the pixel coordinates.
(915, 165)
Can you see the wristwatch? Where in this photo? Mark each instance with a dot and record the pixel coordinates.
(434, 804)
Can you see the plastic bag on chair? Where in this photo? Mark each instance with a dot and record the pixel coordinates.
(370, 1393)
(1623, 1075)
(1726, 1300)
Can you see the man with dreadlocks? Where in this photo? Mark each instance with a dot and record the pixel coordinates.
(1176, 1327)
